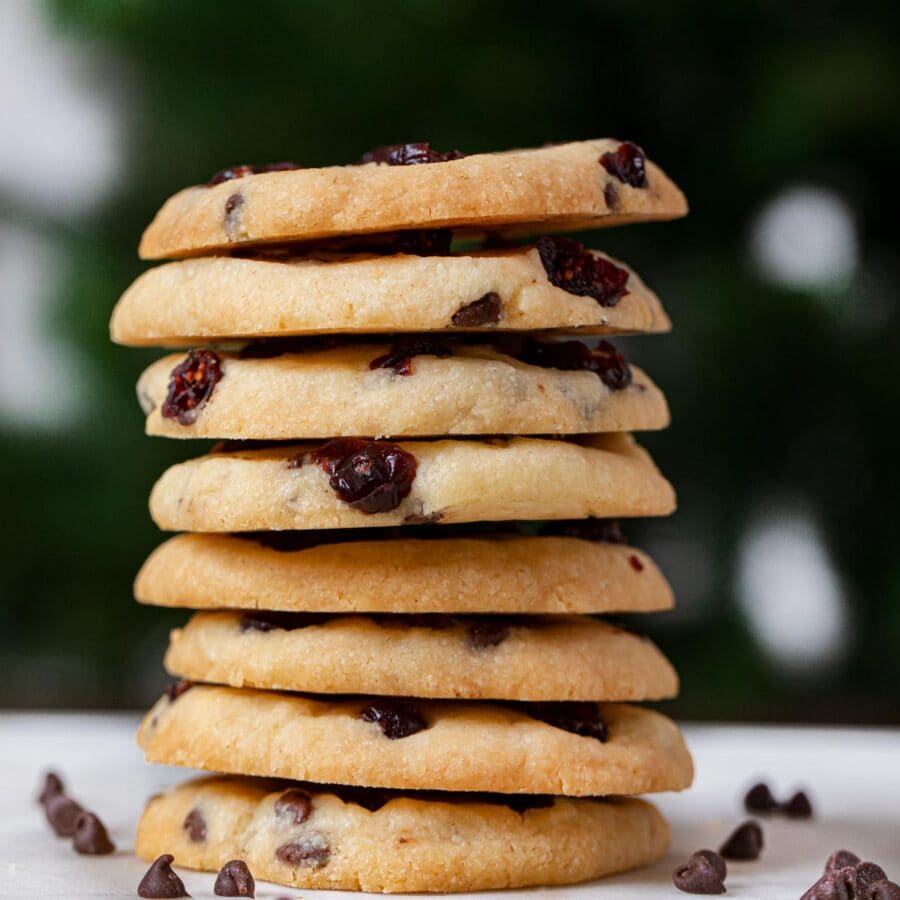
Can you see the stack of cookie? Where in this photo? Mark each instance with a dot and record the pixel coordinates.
(399, 543)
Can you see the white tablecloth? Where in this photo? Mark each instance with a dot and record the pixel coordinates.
(852, 776)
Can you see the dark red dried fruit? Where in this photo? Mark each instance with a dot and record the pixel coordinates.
(174, 691)
(798, 807)
(583, 719)
(635, 563)
(604, 360)
(310, 853)
(703, 873)
(242, 171)
(577, 271)
(759, 799)
(90, 836)
(371, 476)
(62, 813)
(400, 356)
(408, 155)
(487, 632)
(628, 163)
(161, 880)
(234, 880)
(745, 842)
(191, 384)
(52, 787)
(195, 826)
(486, 310)
(295, 805)
(395, 718)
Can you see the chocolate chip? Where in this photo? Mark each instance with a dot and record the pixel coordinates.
(161, 880)
(90, 836)
(604, 360)
(400, 356)
(242, 171)
(829, 887)
(627, 163)
(486, 310)
(371, 476)
(703, 873)
(484, 633)
(62, 814)
(295, 805)
(798, 807)
(191, 384)
(395, 718)
(52, 787)
(635, 563)
(841, 859)
(847, 883)
(234, 880)
(746, 842)
(759, 799)
(174, 691)
(195, 825)
(883, 890)
(408, 155)
(583, 719)
(309, 853)
(577, 271)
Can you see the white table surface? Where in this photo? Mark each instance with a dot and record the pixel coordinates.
(852, 776)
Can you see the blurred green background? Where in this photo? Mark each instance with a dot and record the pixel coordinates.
(783, 371)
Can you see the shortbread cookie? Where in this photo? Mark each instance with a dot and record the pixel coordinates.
(568, 187)
(312, 837)
(437, 656)
(350, 483)
(454, 745)
(500, 574)
(218, 298)
(413, 387)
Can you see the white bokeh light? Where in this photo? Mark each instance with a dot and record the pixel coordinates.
(791, 594)
(806, 237)
(59, 145)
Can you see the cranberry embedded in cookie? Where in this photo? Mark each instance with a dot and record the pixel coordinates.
(191, 384)
(628, 163)
(408, 155)
(242, 171)
(604, 360)
(578, 271)
(583, 719)
(400, 356)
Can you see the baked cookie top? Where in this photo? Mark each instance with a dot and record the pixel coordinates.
(416, 386)
(351, 483)
(581, 749)
(325, 837)
(557, 285)
(567, 187)
(436, 656)
(316, 571)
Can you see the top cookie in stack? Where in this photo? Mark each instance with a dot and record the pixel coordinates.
(326, 425)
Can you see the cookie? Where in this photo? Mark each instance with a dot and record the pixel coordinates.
(311, 837)
(498, 573)
(351, 483)
(215, 298)
(567, 187)
(410, 388)
(481, 657)
(453, 745)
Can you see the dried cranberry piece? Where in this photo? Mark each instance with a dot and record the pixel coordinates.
(191, 384)
(604, 360)
(371, 476)
(577, 271)
(485, 310)
(408, 155)
(583, 719)
(400, 356)
(174, 691)
(233, 172)
(295, 805)
(628, 163)
(395, 718)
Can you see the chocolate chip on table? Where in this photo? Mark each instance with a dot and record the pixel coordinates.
(759, 799)
(400, 356)
(160, 881)
(195, 826)
(583, 719)
(371, 476)
(883, 890)
(628, 163)
(848, 883)
(745, 842)
(487, 632)
(603, 360)
(234, 880)
(91, 837)
(311, 852)
(295, 805)
(395, 718)
(174, 691)
(840, 859)
(577, 271)
(62, 814)
(703, 873)
(798, 807)
(486, 310)
(233, 172)
(408, 155)
(52, 787)
(191, 384)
